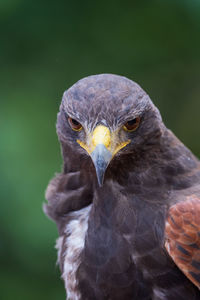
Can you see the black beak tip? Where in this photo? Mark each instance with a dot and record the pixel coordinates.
(100, 178)
(100, 171)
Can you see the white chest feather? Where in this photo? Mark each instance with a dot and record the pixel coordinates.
(75, 230)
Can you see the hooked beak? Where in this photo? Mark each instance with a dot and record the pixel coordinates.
(102, 146)
(101, 157)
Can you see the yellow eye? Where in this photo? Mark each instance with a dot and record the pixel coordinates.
(132, 125)
(75, 125)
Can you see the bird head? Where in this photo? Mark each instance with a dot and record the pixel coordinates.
(106, 116)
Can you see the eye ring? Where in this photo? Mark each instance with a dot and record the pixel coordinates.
(75, 125)
(132, 125)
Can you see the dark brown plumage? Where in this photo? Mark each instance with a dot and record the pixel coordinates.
(127, 203)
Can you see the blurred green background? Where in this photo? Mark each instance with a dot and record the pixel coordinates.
(45, 47)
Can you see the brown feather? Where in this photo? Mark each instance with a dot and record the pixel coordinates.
(183, 237)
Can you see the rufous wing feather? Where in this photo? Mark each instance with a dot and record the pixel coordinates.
(183, 237)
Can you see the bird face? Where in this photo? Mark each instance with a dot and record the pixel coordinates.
(102, 145)
(105, 116)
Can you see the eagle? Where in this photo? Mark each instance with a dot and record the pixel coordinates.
(127, 202)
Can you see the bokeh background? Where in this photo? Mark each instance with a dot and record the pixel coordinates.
(46, 46)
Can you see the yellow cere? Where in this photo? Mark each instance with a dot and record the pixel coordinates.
(101, 135)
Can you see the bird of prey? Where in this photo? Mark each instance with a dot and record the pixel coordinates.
(127, 203)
